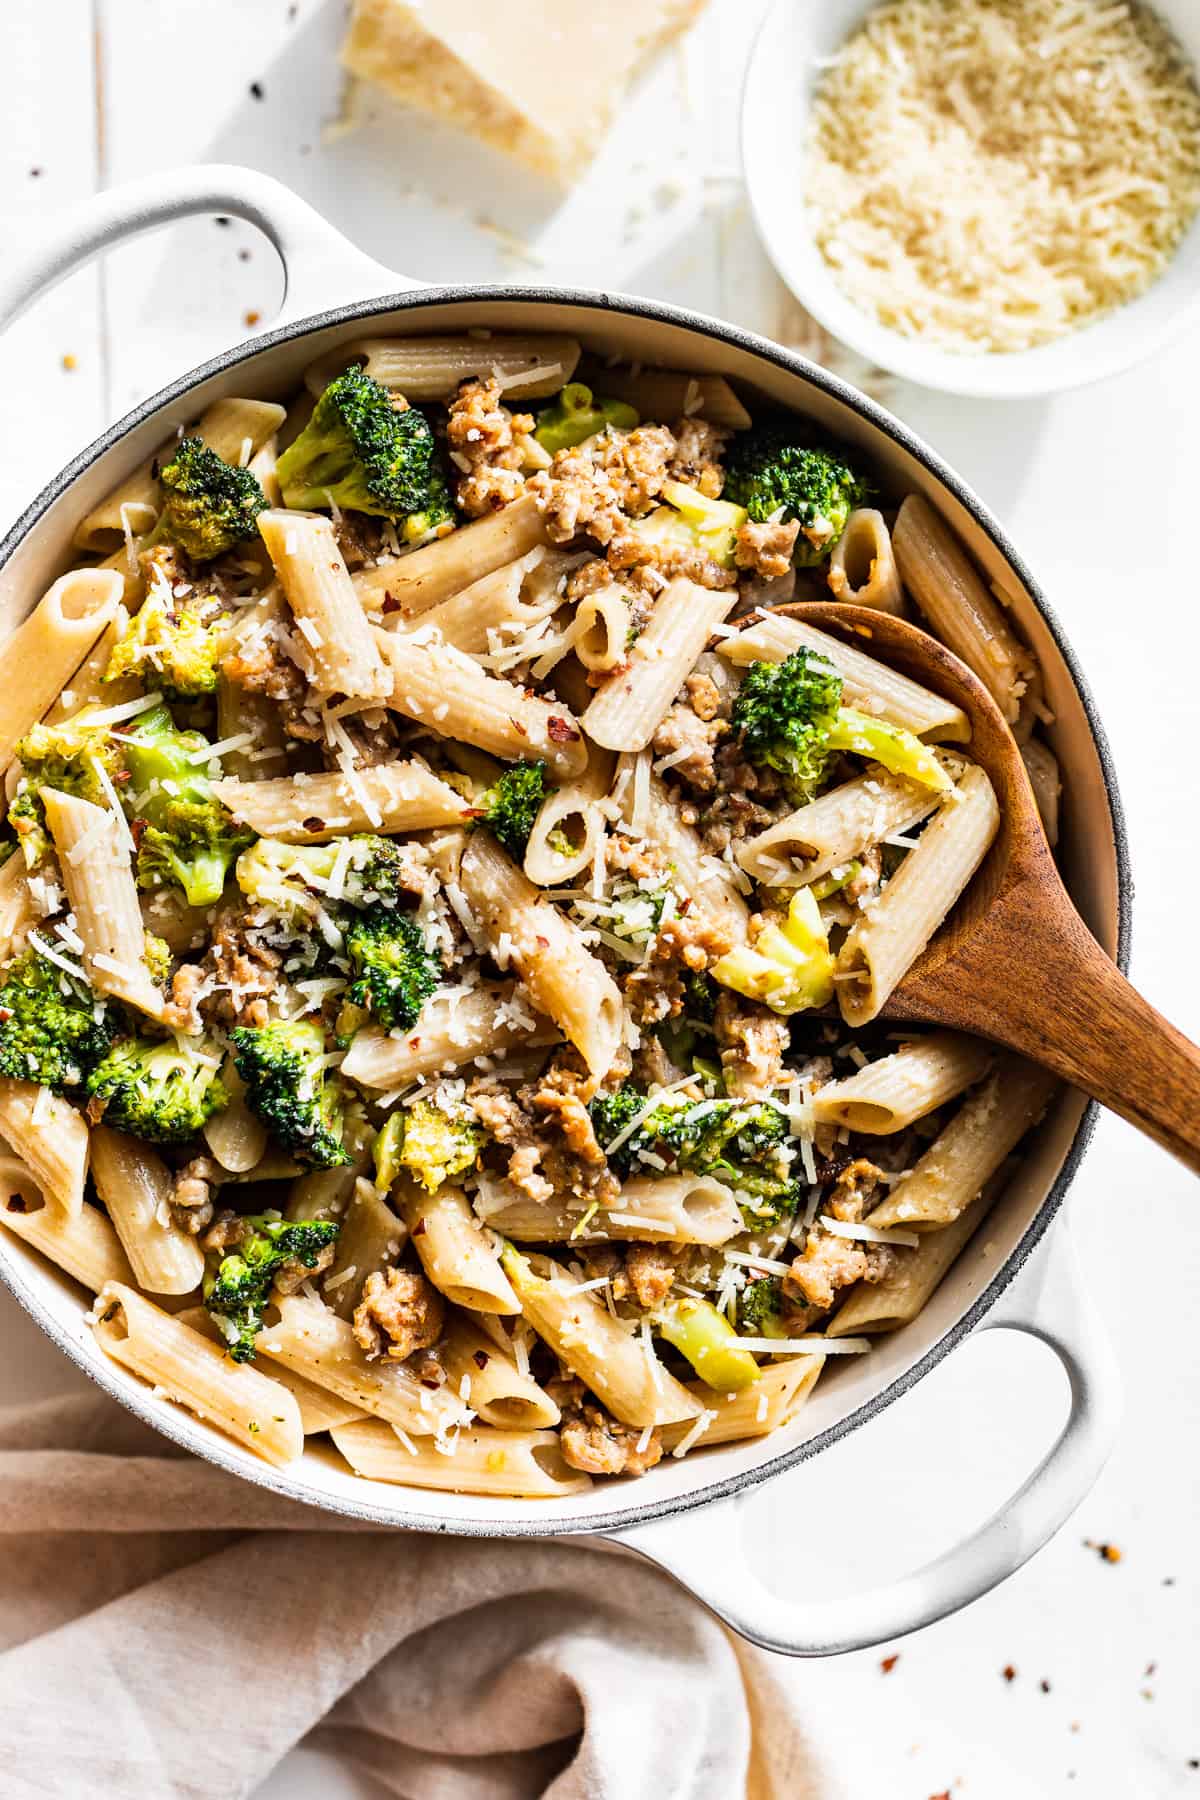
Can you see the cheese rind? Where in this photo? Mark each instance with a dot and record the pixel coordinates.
(544, 92)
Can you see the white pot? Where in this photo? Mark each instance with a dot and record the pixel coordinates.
(683, 1515)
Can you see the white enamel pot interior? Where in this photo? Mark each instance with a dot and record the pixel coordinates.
(672, 1515)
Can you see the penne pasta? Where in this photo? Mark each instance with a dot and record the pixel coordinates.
(705, 880)
(454, 1250)
(51, 1136)
(245, 1404)
(946, 586)
(526, 1464)
(451, 695)
(913, 1081)
(236, 1136)
(882, 947)
(336, 642)
(839, 826)
(527, 366)
(83, 1243)
(565, 981)
(1041, 766)
(604, 621)
(868, 685)
(488, 1380)
(770, 1403)
(670, 394)
(319, 1409)
(986, 1128)
(311, 809)
(862, 567)
(630, 704)
(484, 1022)
(241, 712)
(371, 1238)
(490, 607)
(315, 1343)
(135, 1186)
(43, 653)
(672, 1209)
(94, 856)
(569, 829)
(417, 581)
(619, 1365)
(896, 1300)
(18, 910)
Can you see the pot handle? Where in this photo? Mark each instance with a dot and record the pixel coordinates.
(321, 267)
(704, 1550)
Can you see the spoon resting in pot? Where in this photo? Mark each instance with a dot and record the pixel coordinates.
(1014, 961)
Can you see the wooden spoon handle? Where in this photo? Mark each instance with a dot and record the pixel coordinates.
(1067, 1006)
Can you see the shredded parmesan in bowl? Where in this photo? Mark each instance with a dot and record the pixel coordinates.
(988, 175)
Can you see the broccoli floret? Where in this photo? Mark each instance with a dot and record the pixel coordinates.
(693, 520)
(437, 1144)
(157, 958)
(294, 878)
(740, 1142)
(394, 972)
(760, 1308)
(365, 449)
(237, 1290)
(785, 712)
(184, 836)
(287, 1085)
(575, 415)
(69, 757)
(510, 806)
(767, 470)
(172, 643)
(53, 1029)
(700, 996)
(157, 1091)
(208, 504)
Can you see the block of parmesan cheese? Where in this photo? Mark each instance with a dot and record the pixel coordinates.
(541, 80)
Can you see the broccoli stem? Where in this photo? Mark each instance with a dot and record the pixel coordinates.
(708, 1341)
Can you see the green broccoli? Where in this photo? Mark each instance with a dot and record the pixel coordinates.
(284, 1068)
(172, 643)
(365, 449)
(184, 836)
(158, 958)
(769, 473)
(510, 806)
(238, 1289)
(157, 1091)
(574, 415)
(742, 1143)
(785, 712)
(208, 504)
(53, 1029)
(394, 972)
(694, 521)
(437, 1144)
(294, 878)
(760, 1308)
(72, 757)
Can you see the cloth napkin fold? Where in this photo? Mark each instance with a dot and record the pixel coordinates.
(168, 1632)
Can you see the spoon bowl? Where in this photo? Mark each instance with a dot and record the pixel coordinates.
(1015, 962)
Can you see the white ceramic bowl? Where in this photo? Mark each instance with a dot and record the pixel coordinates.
(795, 39)
(670, 1516)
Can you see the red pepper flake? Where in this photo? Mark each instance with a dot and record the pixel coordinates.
(543, 943)
(313, 824)
(1008, 1672)
(16, 1203)
(419, 1228)
(1044, 1685)
(390, 604)
(252, 318)
(5, 1015)
(888, 1663)
(560, 731)
(1149, 1670)
(944, 1795)
(1106, 1552)
(481, 1359)
(517, 726)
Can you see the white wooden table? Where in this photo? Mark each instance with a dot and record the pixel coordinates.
(1100, 491)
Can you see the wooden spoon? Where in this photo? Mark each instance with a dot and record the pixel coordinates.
(1014, 961)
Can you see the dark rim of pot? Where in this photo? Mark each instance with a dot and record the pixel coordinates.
(171, 1424)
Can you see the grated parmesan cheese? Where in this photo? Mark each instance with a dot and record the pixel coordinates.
(988, 174)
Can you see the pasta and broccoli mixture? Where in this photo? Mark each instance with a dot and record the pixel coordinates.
(447, 909)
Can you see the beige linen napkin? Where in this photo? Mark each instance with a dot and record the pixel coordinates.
(168, 1631)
